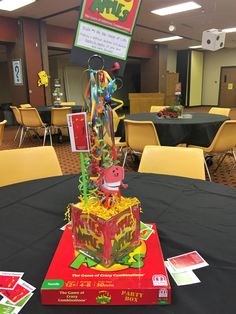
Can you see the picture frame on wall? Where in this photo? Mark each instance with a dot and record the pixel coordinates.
(17, 72)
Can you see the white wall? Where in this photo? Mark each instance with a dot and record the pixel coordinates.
(213, 61)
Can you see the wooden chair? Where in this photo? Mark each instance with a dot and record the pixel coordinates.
(222, 111)
(223, 143)
(17, 116)
(157, 108)
(178, 161)
(59, 118)
(2, 127)
(24, 164)
(138, 134)
(31, 120)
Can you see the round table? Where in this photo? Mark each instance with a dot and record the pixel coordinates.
(45, 112)
(195, 128)
(189, 214)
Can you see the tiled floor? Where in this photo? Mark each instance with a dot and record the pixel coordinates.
(70, 162)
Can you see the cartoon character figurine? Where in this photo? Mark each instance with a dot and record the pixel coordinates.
(111, 180)
(43, 78)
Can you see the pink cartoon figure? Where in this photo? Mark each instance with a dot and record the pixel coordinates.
(110, 181)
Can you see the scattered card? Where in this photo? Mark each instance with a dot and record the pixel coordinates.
(21, 290)
(182, 278)
(7, 309)
(19, 305)
(187, 261)
(145, 226)
(8, 280)
(145, 234)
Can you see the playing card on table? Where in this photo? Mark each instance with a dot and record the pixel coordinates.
(145, 230)
(187, 261)
(8, 280)
(21, 290)
(17, 306)
(182, 278)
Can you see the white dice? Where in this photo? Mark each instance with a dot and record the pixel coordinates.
(213, 39)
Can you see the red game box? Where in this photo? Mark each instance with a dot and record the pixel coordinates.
(138, 278)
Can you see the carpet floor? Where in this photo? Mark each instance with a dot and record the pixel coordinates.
(70, 162)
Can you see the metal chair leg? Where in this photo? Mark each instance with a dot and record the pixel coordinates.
(18, 129)
(50, 135)
(124, 161)
(207, 170)
(233, 153)
(220, 161)
(44, 136)
(21, 137)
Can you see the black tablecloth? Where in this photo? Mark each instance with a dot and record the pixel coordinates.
(199, 130)
(190, 215)
(45, 112)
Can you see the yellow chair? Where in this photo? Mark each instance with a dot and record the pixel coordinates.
(17, 116)
(25, 106)
(31, 120)
(117, 118)
(24, 164)
(177, 161)
(2, 127)
(68, 103)
(138, 134)
(222, 111)
(223, 142)
(59, 117)
(157, 108)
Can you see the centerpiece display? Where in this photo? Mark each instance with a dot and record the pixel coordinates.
(100, 258)
(174, 111)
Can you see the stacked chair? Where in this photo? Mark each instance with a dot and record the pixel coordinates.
(59, 118)
(222, 144)
(31, 120)
(138, 134)
(16, 113)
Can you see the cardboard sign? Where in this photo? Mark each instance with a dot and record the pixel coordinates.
(120, 15)
(78, 130)
(98, 39)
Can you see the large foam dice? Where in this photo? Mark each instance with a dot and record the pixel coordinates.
(213, 39)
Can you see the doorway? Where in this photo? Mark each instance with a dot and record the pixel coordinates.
(227, 92)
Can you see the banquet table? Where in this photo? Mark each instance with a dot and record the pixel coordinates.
(194, 128)
(189, 214)
(45, 112)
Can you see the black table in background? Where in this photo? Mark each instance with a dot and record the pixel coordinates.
(198, 130)
(45, 112)
(190, 215)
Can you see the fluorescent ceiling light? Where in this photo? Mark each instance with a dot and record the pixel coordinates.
(195, 47)
(187, 6)
(229, 30)
(11, 5)
(168, 38)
